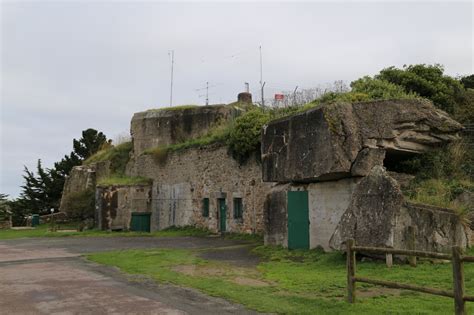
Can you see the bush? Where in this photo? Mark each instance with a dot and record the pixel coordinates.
(80, 206)
(117, 155)
(244, 136)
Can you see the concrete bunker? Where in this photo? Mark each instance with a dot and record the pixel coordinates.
(329, 153)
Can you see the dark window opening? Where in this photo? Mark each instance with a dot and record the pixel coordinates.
(205, 207)
(238, 208)
(401, 162)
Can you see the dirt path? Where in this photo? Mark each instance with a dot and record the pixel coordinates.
(47, 276)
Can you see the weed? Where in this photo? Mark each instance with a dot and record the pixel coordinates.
(123, 180)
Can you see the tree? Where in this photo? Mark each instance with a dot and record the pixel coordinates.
(468, 81)
(378, 89)
(4, 207)
(43, 189)
(91, 142)
(427, 81)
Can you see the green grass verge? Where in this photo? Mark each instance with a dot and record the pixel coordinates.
(43, 231)
(299, 282)
(124, 180)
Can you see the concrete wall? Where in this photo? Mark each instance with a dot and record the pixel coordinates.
(186, 177)
(327, 203)
(154, 128)
(436, 229)
(115, 204)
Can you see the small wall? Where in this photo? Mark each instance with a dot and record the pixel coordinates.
(327, 203)
(182, 181)
(379, 216)
(7, 224)
(115, 204)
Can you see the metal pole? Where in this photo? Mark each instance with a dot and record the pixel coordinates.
(171, 88)
(294, 95)
(261, 74)
(263, 99)
(207, 93)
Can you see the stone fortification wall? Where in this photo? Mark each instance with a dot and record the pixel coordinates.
(115, 205)
(161, 127)
(341, 140)
(182, 182)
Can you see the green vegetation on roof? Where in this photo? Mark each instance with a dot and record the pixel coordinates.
(123, 181)
(117, 155)
(217, 134)
(179, 107)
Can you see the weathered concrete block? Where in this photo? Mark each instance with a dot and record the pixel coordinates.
(379, 216)
(83, 177)
(334, 141)
(160, 127)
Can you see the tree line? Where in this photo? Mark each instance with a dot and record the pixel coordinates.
(43, 187)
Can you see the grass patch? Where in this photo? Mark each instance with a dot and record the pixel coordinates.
(244, 237)
(440, 193)
(217, 134)
(299, 282)
(117, 155)
(124, 180)
(43, 231)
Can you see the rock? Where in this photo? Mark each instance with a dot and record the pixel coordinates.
(379, 216)
(333, 141)
(161, 127)
(83, 177)
(366, 159)
(370, 217)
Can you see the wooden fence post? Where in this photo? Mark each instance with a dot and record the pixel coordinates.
(389, 260)
(351, 266)
(411, 244)
(458, 281)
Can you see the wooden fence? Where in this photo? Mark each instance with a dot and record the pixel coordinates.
(457, 258)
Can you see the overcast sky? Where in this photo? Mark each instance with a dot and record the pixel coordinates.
(69, 66)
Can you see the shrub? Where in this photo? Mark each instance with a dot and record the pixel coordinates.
(244, 136)
(439, 192)
(80, 205)
(117, 155)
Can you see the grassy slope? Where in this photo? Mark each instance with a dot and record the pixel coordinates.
(43, 231)
(301, 282)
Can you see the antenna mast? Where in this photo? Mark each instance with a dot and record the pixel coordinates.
(171, 88)
(207, 93)
(262, 84)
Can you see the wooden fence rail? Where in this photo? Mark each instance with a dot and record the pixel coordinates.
(456, 258)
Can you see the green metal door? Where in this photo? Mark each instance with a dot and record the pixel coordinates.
(140, 222)
(222, 214)
(298, 220)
